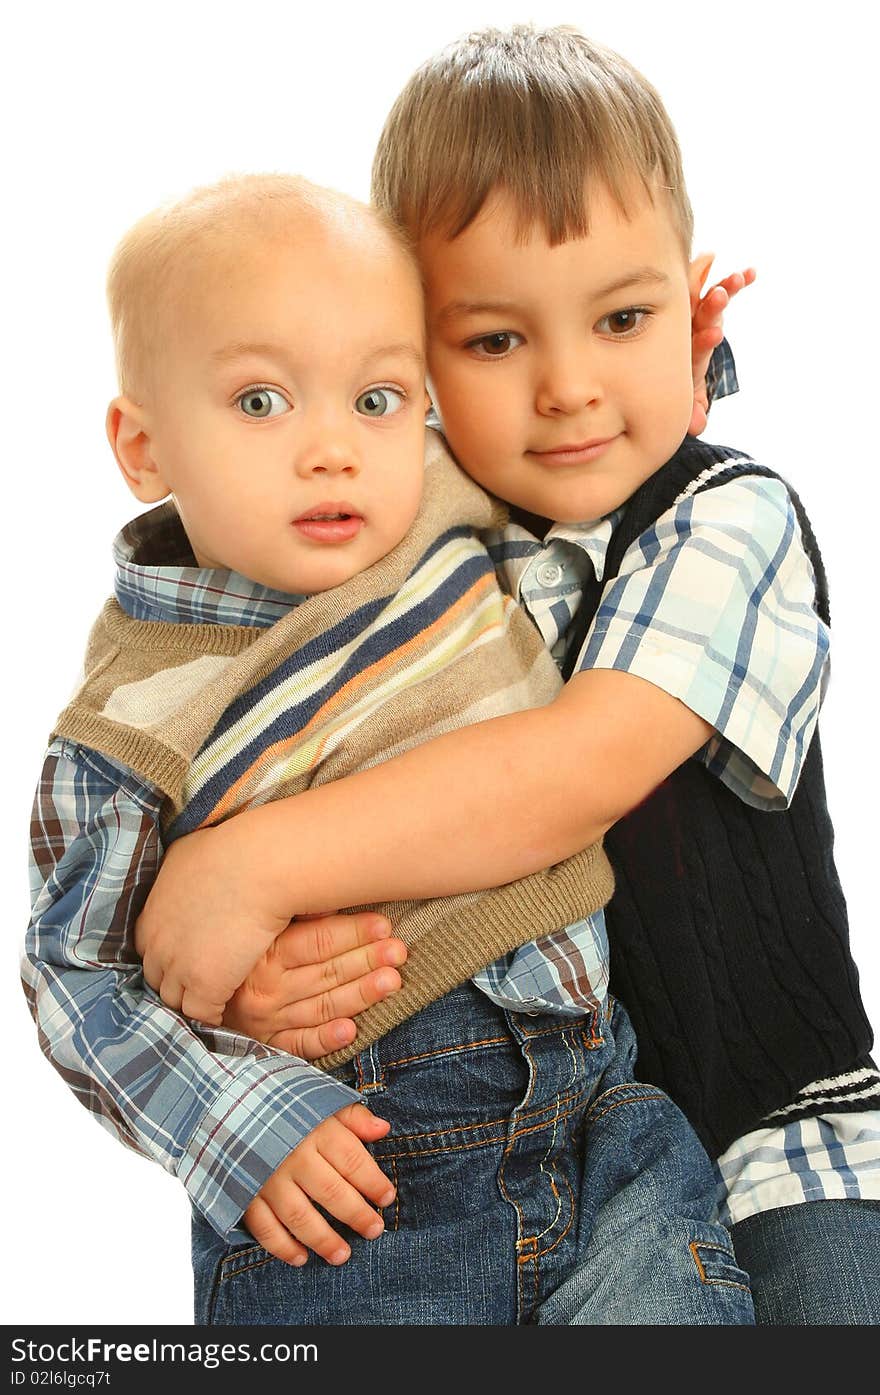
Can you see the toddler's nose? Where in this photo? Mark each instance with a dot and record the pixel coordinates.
(328, 457)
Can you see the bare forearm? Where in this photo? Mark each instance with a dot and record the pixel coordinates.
(473, 809)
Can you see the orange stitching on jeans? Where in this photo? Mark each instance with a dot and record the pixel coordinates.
(562, 1234)
(477, 1143)
(575, 1097)
(429, 1152)
(697, 1261)
(636, 1099)
(444, 1051)
(488, 1041)
(720, 1283)
(234, 1273)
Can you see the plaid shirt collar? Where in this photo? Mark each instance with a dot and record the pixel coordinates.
(158, 578)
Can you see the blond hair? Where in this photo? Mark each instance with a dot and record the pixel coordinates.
(148, 270)
(541, 114)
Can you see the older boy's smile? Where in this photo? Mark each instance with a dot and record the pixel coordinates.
(579, 454)
(562, 374)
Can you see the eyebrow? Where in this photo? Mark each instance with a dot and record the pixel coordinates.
(231, 352)
(455, 308)
(639, 276)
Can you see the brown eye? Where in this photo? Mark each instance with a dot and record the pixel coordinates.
(622, 324)
(496, 345)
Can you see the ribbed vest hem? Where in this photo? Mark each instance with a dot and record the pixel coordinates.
(451, 952)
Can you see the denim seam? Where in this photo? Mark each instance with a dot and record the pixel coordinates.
(719, 1283)
(477, 1143)
(619, 1104)
(227, 1272)
(539, 1254)
(588, 1036)
(535, 1122)
(396, 1201)
(444, 1051)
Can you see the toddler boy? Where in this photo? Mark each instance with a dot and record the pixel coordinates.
(304, 608)
(687, 603)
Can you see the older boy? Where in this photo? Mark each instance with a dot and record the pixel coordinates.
(305, 608)
(553, 230)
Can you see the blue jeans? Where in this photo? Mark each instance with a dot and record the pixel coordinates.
(816, 1264)
(537, 1182)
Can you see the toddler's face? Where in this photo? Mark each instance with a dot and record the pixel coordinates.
(562, 374)
(288, 411)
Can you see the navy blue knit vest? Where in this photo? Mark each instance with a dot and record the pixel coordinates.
(728, 927)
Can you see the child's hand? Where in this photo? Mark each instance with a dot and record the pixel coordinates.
(331, 1167)
(708, 312)
(317, 975)
(205, 924)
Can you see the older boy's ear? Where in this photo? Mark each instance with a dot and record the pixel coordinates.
(130, 443)
(698, 272)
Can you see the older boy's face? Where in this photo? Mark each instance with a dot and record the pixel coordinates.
(562, 374)
(288, 414)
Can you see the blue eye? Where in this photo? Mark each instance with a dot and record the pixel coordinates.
(262, 402)
(379, 402)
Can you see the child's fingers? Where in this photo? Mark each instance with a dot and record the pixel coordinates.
(342, 1178)
(320, 938)
(705, 340)
(345, 1001)
(711, 308)
(364, 1123)
(268, 1231)
(738, 280)
(311, 1042)
(294, 1200)
(274, 1004)
(298, 1216)
(169, 988)
(201, 1009)
(344, 1154)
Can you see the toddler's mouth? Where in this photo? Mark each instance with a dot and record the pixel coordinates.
(330, 523)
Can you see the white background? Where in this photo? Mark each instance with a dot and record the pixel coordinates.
(109, 109)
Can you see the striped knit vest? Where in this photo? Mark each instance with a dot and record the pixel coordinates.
(728, 927)
(222, 717)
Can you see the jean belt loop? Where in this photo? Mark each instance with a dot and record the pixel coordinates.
(369, 1069)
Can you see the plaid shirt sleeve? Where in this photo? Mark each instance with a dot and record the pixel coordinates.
(715, 604)
(218, 1110)
(721, 380)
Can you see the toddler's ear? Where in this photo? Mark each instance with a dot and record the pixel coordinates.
(130, 443)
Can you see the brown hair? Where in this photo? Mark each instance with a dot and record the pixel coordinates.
(148, 270)
(539, 113)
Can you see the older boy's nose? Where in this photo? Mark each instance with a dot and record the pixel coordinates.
(566, 385)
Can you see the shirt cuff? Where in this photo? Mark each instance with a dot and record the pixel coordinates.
(721, 380)
(741, 753)
(252, 1126)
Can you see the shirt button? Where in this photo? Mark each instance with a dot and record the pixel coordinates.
(549, 574)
